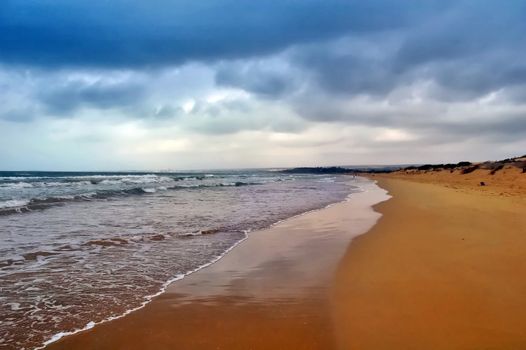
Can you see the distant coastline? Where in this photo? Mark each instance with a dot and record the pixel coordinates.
(464, 166)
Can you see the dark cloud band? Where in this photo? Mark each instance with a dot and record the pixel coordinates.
(134, 33)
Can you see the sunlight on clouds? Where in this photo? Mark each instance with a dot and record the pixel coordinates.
(394, 135)
(188, 106)
(227, 95)
(159, 146)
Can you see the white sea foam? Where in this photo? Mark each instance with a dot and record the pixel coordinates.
(14, 203)
(16, 185)
(146, 300)
(14, 306)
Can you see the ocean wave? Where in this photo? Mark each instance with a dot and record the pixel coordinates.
(241, 183)
(13, 203)
(15, 185)
(12, 206)
(25, 205)
(223, 184)
(107, 242)
(203, 232)
(158, 183)
(40, 255)
(82, 180)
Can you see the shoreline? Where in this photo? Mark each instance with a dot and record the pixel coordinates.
(439, 268)
(148, 299)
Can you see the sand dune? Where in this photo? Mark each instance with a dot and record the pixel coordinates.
(504, 178)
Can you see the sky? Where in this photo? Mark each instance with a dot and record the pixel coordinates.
(208, 84)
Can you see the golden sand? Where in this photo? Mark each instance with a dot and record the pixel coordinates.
(443, 269)
(510, 181)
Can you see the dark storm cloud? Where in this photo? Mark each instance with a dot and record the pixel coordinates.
(508, 126)
(18, 115)
(466, 49)
(474, 77)
(466, 29)
(66, 98)
(348, 72)
(264, 81)
(470, 49)
(149, 33)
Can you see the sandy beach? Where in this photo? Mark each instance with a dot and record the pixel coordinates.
(508, 182)
(442, 269)
(272, 291)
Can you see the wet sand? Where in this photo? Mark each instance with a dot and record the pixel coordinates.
(444, 268)
(271, 291)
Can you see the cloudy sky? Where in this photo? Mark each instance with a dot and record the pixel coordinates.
(186, 84)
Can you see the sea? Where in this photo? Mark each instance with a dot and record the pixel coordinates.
(80, 248)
